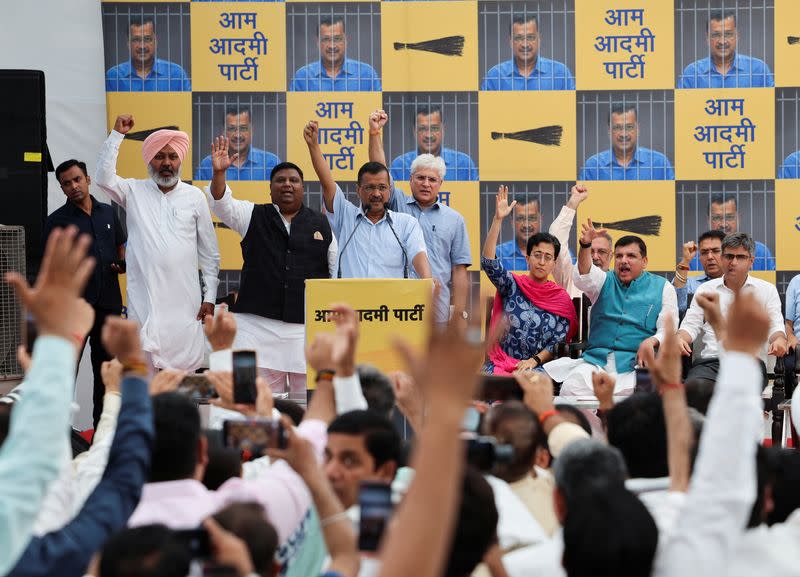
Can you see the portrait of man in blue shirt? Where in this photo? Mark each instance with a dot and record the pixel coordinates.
(334, 72)
(144, 72)
(723, 214)
(528, 69)
(527, 222)
(429, 133)
(724, 67)
(625, 160)
(250, 163)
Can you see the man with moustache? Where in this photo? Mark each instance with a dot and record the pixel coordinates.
(144, 72)
(625, 160)
(100, 221)
(737, 258)
(724, 67)
(629, 306)
(170, 236)
(429, 134)
(375, 242)
(334, 72)
(284, 244)
(709, 248)
(444, 229)
(251, 163)
(528, 69)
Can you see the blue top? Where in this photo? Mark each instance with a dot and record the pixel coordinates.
(354, 76)
(257, 166)
(107, 234)
(746, 72)
(69, 550)
(646, 165)
(690, 287)
(793, 303)
(531, 329)
(165, 76)
(763, 261)
(547, 75)
(790, 168)
(372, 251)
(459, 165)
(446, 239)
(32, 452)
(511, 256)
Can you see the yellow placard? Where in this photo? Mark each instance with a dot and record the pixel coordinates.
(787, 224)
(150, 110)
(787, 43)
(624, 44)
(343, 134)
(725, 134)
(643, 208)
(32, 157)
(527, 135)
(464, 198)
(239, 46)
(389, 309)
(420, 56)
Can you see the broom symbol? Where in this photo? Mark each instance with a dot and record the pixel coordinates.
(143, 134)
(546, 135)
(648, 225)
(447, 46)
(793, 39)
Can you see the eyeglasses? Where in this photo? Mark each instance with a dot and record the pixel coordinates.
(433, 129)
(739, 257)
(623, 128)
(708, 251)
(728, 35)
(730, 217)
(539, 255)
(242, 128)
(523, 219)
(338, 39)
(520, 38)
(422, 178)
(142, 39)
(374, 187)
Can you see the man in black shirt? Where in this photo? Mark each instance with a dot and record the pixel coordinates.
(100, 221)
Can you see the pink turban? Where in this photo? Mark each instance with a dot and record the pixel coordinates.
(153, 144)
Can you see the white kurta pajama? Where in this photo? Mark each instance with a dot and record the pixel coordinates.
(170, 236)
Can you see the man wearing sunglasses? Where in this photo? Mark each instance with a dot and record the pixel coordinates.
(738, 252)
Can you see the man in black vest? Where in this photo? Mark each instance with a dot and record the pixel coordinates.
(283, 244)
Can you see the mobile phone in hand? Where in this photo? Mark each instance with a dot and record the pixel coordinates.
(197, 387)
(244, 377)
(254, 435)
(375, 502)
(644, 382)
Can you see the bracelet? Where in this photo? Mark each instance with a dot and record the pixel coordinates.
(135, 367)
(681, 266)
(375, 132)
(78, 338)
(325, 375)
(589, 245)
(546, 415)
(677, 386)
(335, 518)
(538, 360)
(679, 277)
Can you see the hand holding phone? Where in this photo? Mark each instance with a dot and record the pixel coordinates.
(244, 377)
(375, 502)
(254, 435)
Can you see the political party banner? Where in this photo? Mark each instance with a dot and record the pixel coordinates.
(387, 309)
(663, 108)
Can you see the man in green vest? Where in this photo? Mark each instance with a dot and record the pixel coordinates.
(627, 318)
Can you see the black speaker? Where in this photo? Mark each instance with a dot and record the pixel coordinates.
(24, 160)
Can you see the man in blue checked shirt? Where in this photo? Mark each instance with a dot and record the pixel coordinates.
(429, 133)
(144, 72)
(709, 249)
(334, 72)
(724, 68)
(250, 163)
(528, 70)
(625, 160)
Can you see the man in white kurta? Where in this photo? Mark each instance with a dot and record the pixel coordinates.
(170, 236)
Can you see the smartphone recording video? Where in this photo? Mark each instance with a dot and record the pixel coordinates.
(254, 435)
(375, 502)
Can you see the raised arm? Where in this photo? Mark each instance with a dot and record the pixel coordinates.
(502, 210)
(311, 136)
(233, 212)
(220, 163)
(588, 234)
(106, 175)
(560, 228)
(377, 120)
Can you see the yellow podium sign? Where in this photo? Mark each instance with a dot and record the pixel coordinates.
(387, 309)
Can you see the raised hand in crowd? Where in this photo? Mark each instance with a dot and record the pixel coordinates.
(409, 399)
(377, 120)
(223, 385)
(577, 195)
(221, 329)
(588, 234)
(689, 251)
(336, 351)
(166, 381)
(709, 302)
(123, 123)
(121, 340)
(111, 374)
(747, 326)
(220, 161)
(502, 207)
(228, 550)
(603, 385)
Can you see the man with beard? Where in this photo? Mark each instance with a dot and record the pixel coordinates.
(429, 134)
(724, 68)
(625, 160)
(629, 306)
(283, 245)
(170, 236)
(709, 248)
(334, 72)
(144, 72)
(251, 163)
(528, 69)
(100, 221)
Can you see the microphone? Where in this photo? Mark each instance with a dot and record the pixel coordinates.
(394, 232)
(349, 238)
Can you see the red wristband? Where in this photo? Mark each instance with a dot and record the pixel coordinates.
(672, 385)
(78, 338)
(546, 415)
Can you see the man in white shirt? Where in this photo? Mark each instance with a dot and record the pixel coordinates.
(738, 252)
(170, 236)
(561, 228)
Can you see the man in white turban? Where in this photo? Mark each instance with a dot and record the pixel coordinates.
(170, 237)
